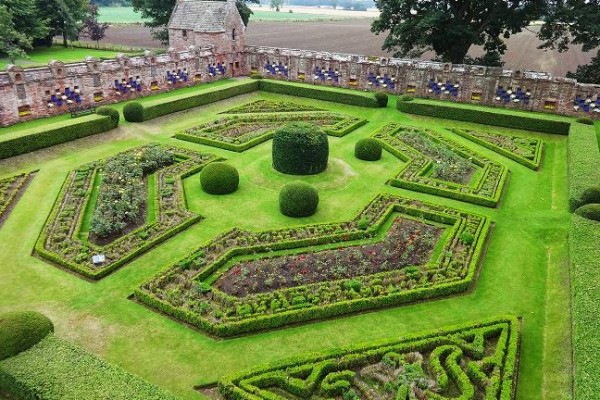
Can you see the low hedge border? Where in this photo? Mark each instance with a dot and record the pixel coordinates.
(533, 164)
(584, 162)
(43, 137)
(10, 190)
(254, 384)
(205, 261)
(319, 93)
(156, 232)
(412, 175)
(484, 117)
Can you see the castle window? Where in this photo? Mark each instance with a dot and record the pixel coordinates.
(184, 34)
(233, 34)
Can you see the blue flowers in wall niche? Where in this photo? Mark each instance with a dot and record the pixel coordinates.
(214, 70)
(67, 97)
(277, 69)
(327, 74)
(439, 88)
(516, 96)
(173, 77)
(125, 86)
(384, 81)
(587, 104)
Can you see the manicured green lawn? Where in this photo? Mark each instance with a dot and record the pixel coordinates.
(42, 55)
(525, 272)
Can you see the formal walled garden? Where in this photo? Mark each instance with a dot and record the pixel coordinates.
(409, 257)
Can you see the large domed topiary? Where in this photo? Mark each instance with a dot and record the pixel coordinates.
(300, 149)
(589, 211)
(133, 112)
(298, 199)
(368, 149)
(219, 178)
(21, 330)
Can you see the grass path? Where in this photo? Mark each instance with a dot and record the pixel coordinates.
(524, 273)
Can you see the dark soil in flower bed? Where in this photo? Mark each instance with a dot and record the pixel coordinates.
(407, 243)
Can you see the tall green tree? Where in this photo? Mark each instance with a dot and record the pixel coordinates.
(20, 24)
(158, 13)
(576, 22)
(65, 18)
(451, 27)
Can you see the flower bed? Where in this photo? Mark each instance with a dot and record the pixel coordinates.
(471, 361)
(10, 190)
(61, 241)
(525, 151)
(239, 133)
(270, 106)
(442, 167)
(189, 290)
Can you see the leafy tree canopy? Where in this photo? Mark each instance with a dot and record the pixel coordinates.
(451, 27)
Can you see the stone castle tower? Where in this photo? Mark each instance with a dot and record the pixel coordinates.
(215, 25)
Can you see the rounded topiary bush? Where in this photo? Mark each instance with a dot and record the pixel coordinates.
(585, 120)
(368, 149)
(406, 97)
(590, 195)
(133, 112)
(300, 149)
(111, 112)
(21, 330)
(256, 75)
(298, 199)
(219, 178)
(589, 211)
(381, 98)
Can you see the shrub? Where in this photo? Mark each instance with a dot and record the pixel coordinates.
(406, 97)
(590, 195)
(21, 330)
(319, 93)
(589, 211)
(300, 149)
(368, 149)
(381, 98)
(584, 160)
(256, 75)
(298, 199)
(111, 112)
(493, 118)
(585, 120)
(133, 112)
(219, 178)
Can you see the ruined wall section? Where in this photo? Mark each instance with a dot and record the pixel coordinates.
(527, 90)
(57, 88)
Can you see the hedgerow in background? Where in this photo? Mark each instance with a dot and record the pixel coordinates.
(63, 241)
(525, 151)
(300, 149)
(368, 149)
(437, 165)
(270, 106)
(241, 132)
(10, 189)
(219, 178)
(471, 361)
(20, 330)
(298, 199)
(450, 269)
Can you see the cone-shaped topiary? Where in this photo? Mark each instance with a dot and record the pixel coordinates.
(21, 330)
(368, 149)
(300, 149)
(298, 199)
(219, 178)
(133, 112)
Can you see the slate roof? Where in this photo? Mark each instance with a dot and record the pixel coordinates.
(200, 16)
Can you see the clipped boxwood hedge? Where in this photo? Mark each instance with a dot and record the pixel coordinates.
(584, 164)
(219, 178)
(133, 112)
(21, 330)
(493, 118)
(300, 149)
(298, 199)
(589, 211)
(319, 93)
(381, 98)
(368, 149)
(49, 135)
